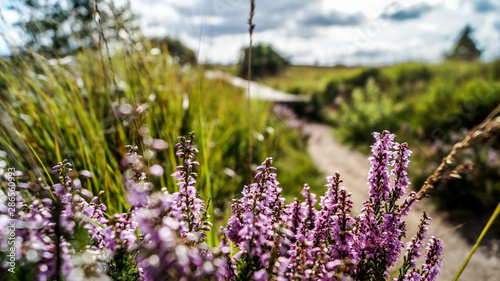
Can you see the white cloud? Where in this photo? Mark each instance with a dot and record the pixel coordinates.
(349, 32)
(329, 32)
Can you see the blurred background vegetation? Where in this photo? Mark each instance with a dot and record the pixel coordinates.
(431, 106)
(87, 82)
(83, 96)
(265, 62)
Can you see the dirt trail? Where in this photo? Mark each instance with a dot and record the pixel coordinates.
(330, 156)
(257, 91)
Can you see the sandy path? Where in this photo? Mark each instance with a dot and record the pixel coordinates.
(330, 156)
(257, 91)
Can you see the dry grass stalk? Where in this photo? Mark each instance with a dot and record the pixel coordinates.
(489, 127)
(250, 30)
(102, 37)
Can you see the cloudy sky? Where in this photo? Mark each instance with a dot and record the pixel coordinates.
(325, 31)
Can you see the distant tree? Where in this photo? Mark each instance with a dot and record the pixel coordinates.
(176, 49)
(265, 62)
(59, 28)
(465, 49)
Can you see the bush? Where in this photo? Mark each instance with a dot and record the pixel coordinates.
(408, 77)
(176, 49)
(344, 88)
(163, 235)
(426, 104)
(495, 70)
(265, 62)
(365, 110)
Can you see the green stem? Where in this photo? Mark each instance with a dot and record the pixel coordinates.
(483, 233)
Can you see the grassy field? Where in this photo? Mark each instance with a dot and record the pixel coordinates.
(429, 105)
(307, 80)
(86, 108)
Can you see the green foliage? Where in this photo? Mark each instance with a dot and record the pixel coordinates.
(60, 28)
(333, 89)
(424, 104)
(175, 48)
(344, 88)
(465, 49)
(366, 110)
(410, 76)
(265, 62)
(73, 110)
(246, 267)
(309, 80)
(361, 79)
(123, 266)
(495, 70)
(434, 110)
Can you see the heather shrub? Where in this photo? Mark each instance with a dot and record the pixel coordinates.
(163, 234)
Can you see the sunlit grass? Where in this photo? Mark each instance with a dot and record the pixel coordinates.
(71, 109)
(309, 79)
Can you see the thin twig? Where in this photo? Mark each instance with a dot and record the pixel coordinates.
(486, 129)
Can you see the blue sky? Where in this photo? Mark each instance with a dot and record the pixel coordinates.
(324, 31)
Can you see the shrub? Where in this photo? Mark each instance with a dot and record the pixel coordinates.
(265, 62)
(162, 236)
(410, 76)
(495, 70)
(366, 109)
(175, 49)
(345, 88)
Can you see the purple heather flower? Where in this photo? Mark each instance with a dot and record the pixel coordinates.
(407, 271)
(378, 176)
(257, 224)
(400, 163)
(275, 241)
(334, 222)
(169, 249)
(430, 269)
(260, 275)
(191, 206)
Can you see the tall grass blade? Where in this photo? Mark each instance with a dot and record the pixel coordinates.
(479, 239)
